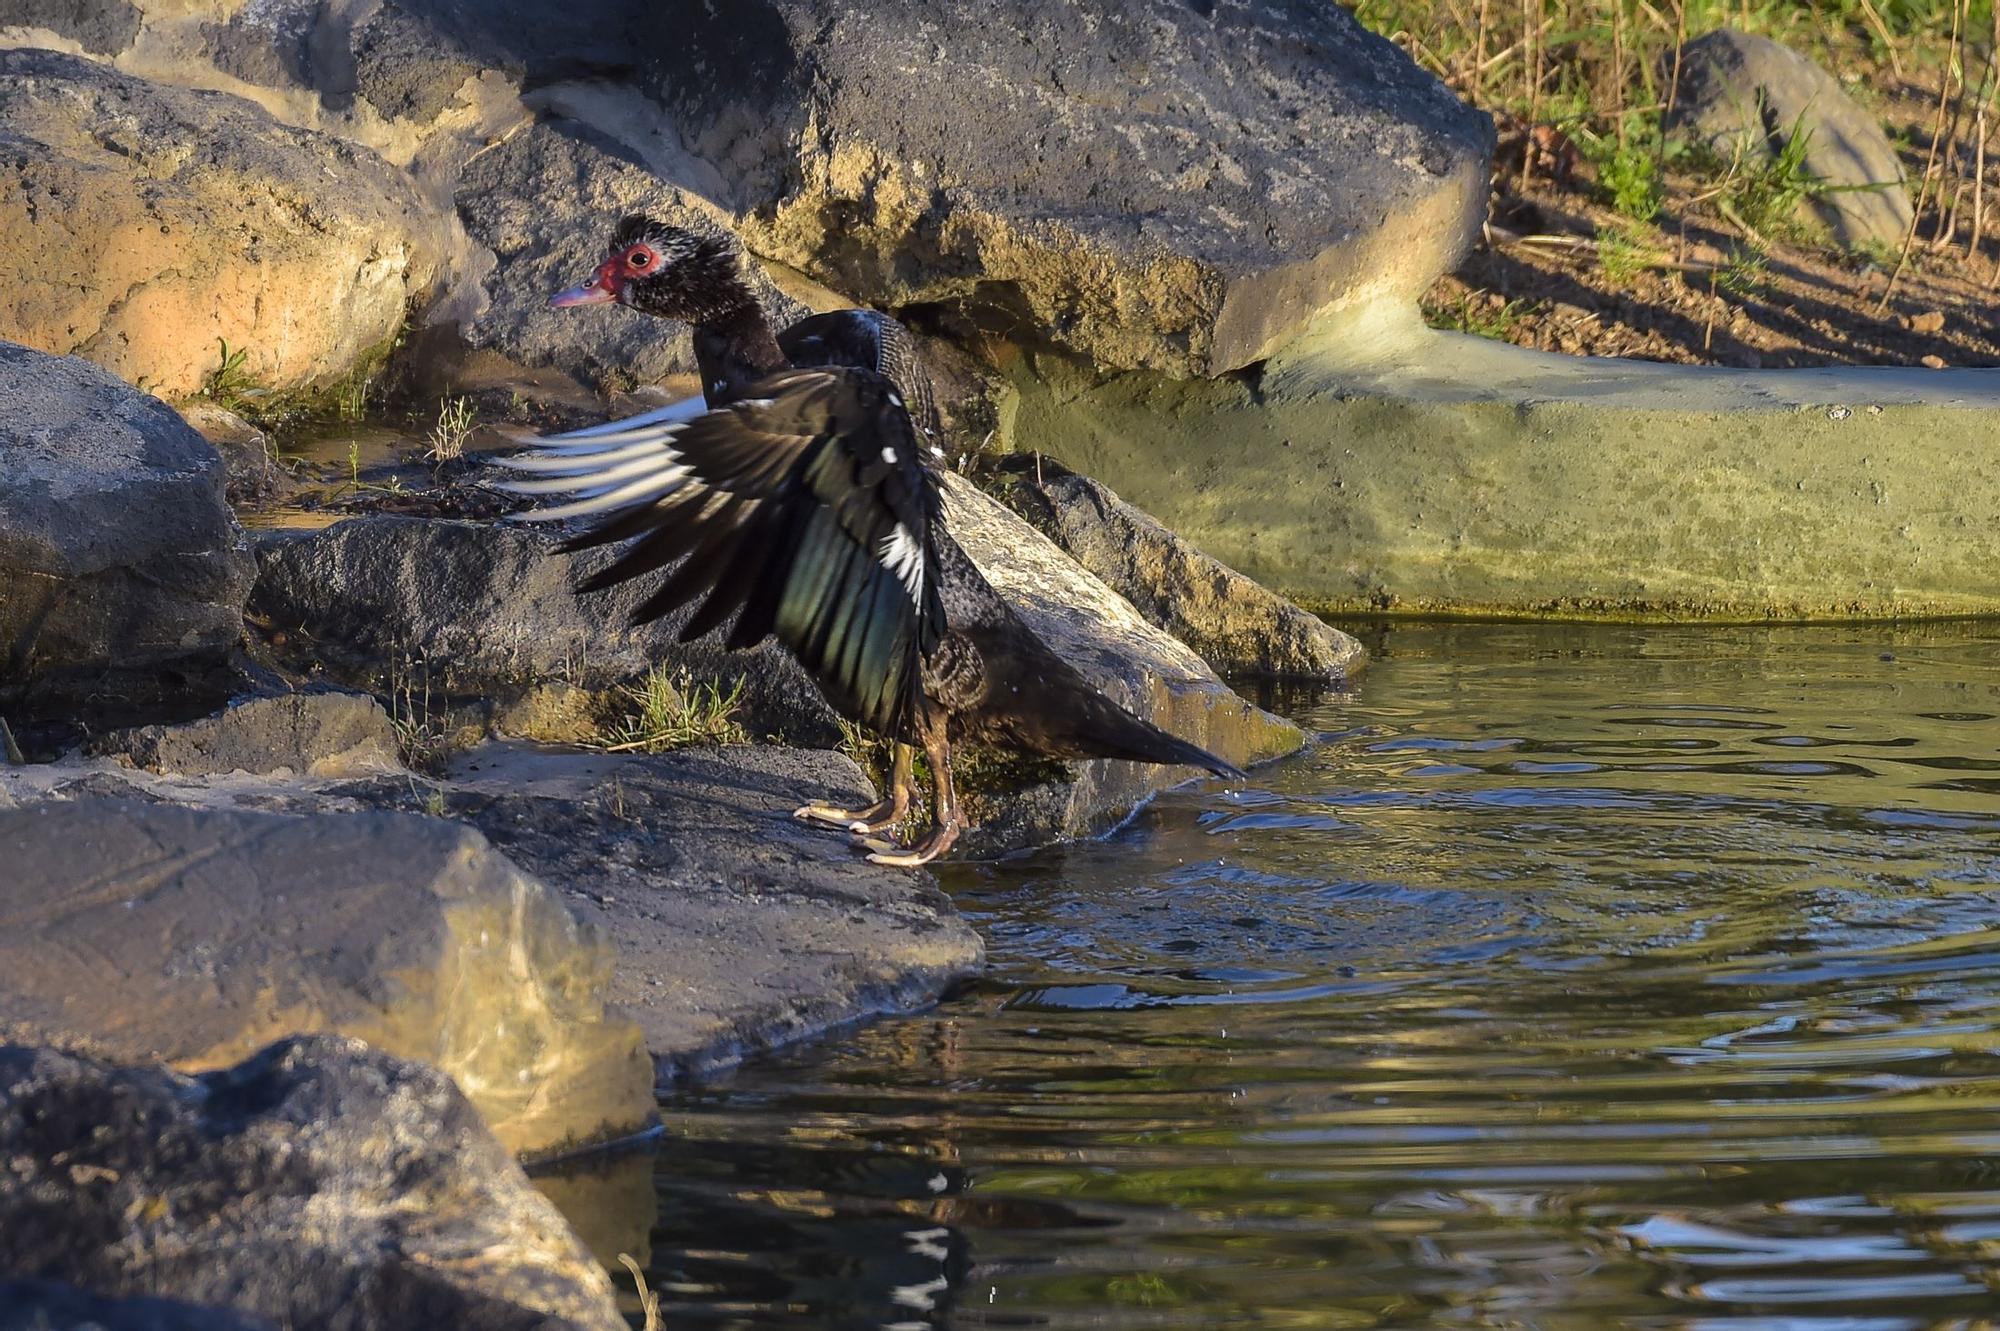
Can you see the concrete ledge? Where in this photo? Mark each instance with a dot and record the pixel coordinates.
(1380, 467)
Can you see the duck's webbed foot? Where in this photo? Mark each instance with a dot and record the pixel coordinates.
(885, 812)
(943, 834)
(919, 852)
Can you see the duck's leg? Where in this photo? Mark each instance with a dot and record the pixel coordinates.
(882, 813)
(949, 821)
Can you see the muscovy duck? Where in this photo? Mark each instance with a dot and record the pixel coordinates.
(799, 495)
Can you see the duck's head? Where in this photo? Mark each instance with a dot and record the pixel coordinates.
(662, 270)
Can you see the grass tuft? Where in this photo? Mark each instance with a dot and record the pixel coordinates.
(673, 712)
(453, 427)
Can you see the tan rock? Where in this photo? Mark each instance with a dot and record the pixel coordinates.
(145, 222)
(149, 932)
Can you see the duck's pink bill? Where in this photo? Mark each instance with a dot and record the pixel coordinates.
(591, 293)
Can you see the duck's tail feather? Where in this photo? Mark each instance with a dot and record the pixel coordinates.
(1103, 729)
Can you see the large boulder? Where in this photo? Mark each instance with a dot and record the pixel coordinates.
(545, 203)
(1149, 183)
(318, 1184)
(142, 223)
(1740, 92)
(149, 932)
(319, 733)
(493, 608)
(1232, 623)
(118, 553)
(736, 926)
(1129, 660)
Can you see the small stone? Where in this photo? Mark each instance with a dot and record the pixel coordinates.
(1934, 362)
(1740, 91)
(1931, 322)
(1838, 413)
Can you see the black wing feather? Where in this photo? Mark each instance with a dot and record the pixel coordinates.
(804, 510)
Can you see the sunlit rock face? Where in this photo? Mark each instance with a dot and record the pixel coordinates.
(1166, 185)
(145, 222)
(1237, 626)
(195, 936)
(318, 1183)
(1134, 663)
(118, 554)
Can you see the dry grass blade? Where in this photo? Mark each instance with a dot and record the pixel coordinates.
(649, 1302)
(8, 747)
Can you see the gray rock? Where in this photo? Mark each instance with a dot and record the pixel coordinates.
(103, 27)
(316, 734)
(1739, 89)
(317, 1184)
(151, 932)
(492, 608)
(143, 223)
(545, 203)
(736, 927)
(1134, 663)
(253, 474)
(1234, 624)
(1149, 183)
(48, 1305)
(117, 552)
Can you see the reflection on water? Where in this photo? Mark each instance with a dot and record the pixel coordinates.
(1581, 978)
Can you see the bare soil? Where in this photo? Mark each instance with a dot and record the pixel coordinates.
(1539, 279)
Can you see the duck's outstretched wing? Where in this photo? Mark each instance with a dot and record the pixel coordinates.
(801, 509)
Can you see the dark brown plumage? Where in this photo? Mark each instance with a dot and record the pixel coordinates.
(804, 503)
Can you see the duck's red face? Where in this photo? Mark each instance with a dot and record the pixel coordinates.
(614, 277)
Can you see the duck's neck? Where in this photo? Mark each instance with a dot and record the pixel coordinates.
(734, 349)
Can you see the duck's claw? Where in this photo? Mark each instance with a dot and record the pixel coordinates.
(871, 819)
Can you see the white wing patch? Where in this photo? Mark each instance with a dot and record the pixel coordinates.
(889, 455)
(904, 557)
(610, 466)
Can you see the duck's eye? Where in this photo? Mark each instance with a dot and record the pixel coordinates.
(641, 259)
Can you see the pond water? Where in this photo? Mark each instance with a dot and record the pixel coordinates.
(1580, 978)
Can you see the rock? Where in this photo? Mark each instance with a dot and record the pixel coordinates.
(317, 1184)
(545, 203)
(253, 474)
(117, 553)
(1161, 184)
(1134, 663)
(736, 926)
(317, 734)
(147, 222)
(1231, 622)
(555, 713)
(48, 1305)
(206, 934)
(1740, 89)
(491, 608)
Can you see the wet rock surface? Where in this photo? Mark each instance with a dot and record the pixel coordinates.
(150, 221)
(1740, 91)
(318, 733)
(1232, 623)
(207, 933)
(1173, 186)
(118, 556)
(317, 1184)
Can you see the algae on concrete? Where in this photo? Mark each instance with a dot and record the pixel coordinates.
(1379, 467)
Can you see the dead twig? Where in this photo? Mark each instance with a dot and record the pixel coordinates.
(11, 749)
